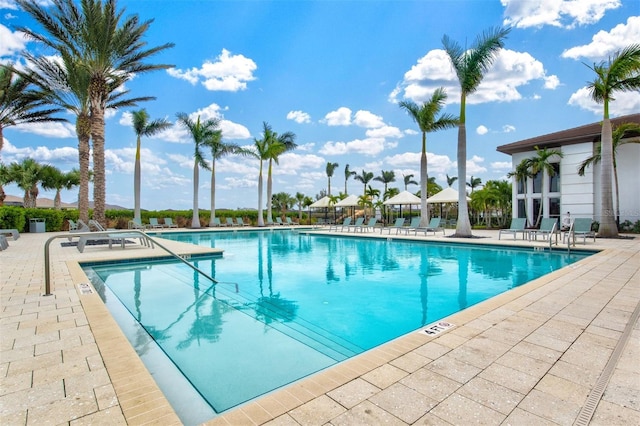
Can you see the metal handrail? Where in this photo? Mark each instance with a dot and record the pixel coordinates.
(47, 275)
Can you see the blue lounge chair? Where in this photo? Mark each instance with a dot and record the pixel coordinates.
(581, 226)
(355, 226)
(548, 226)
(168, 222)
(230, 222)
(345, 224)
(135, 224)
(399, 223)
(433, 226)
(415, 223)
(366, 227)
(290, 222)
(4, 244)
(241, 222)
(517, 225)
(279, 221)
(13, 232)
(153, 223)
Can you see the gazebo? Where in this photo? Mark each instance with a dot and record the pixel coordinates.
(403, 198)
(350, 201)
(447, 195)
(322, 203)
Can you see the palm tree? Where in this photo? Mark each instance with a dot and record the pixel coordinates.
(408, 180)
(202, 132)
(521, 173)
(541, 163)
(220, 149)
(426, 116)
(470, 66)
(143, 127)
(386, 177)
(300, 199)
(54, 178)
(19, 102)
(276, 146)
(620, 74)
(261, 152)
(5, 179)
(451, 180)
(347, 174)
(330, 168)
(474, 183)
(110, 48)
(282, 202)
(365, 178)
(617, 135)
(27, 175)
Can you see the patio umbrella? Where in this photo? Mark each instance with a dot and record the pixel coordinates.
(321, 203)
(405, 197)
(350, 201)
(447, 195)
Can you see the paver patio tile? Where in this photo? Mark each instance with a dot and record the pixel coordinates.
(563, 389)
(509, 378)
(454, 369)
(403, 402)
(608, 414)
(520, 417)
(460, 410)
(353, 393)
(410, 362)
(111, 417)
(70, 408)
(532, 366)
(550, 407)
(480, 351)
(283, 420)
(431, 384)
(492, 395)
(317, 411)
(384, 376)
(432, 350)
(366, 413)
(575, 373)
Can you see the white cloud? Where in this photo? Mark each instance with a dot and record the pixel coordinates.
(8, 4)
(59, 130)
(181, 160)
(126, 119)
(43, 154)
(508, 128)
(482, 130)
(474, 166)
(436, 163)
(367, 119)
(307, 147)
(292, 163)
(230, 130)
(603, 43)
(510, 71)
(625, 103)
(231, 182)
(11, 43)
(368, 146)
(299, 117)
(339, 117)
(501, 165)
(384, 132)
(228, 73)
(123, 160)
(557, 13)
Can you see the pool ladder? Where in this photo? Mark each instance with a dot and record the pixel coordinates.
(47, 272)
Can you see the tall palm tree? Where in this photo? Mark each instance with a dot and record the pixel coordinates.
(408, 180)
(143, 127)
(620, 74)
(54, 178)
(386, 177)
(276, 146)
(330, 168)
(5, 179)
(618, 133)
(300, 199)
(220, 149)
(201, 132)
(27, 174)
(541, 163)
(111, 48)
(20, 102)
(451, 180)
(261, 152)
(521, 173)
(426, 116)
(365, 178)
(347, 174)
(470, 66)
(474, 183)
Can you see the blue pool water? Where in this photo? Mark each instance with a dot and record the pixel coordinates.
(289, 304)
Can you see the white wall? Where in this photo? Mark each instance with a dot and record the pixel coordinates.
(628, 166)
(578, 195)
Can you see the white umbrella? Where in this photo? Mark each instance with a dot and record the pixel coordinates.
(405, 197)
(350, 201)
(447, 195)
(322, 202)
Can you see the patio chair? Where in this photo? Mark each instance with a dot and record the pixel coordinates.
(345, 223)
(433, 226)
(415, 223)
(136, 224)
(355, 226)
(72, 225)
(290, 222)
(216, 222)
(548, 226)
(399, 223)
(517, 225)
(4, 244)
(279, 221)
(168, 223)
(230, 222)
(153, 223)
(13, 232)
(581, 226)
(366, 227)
(98, 227)
(241, 222)
(80, 227)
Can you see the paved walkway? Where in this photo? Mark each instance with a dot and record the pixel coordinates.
(562, 349)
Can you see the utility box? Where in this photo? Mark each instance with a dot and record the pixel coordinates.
(37, 224)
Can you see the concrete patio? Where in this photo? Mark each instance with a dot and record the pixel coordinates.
(562, 349)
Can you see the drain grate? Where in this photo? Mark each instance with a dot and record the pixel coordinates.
(589, 408)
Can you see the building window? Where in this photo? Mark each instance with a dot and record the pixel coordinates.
(554, 207)
(521, 209)
(536, 209)
(554, 181)
(537, 183)
(521, 186)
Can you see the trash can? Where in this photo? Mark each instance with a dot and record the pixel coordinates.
(37, 224)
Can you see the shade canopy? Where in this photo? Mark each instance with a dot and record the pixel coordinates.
(350, 201)
(322, 202)
(447, 195)
(405, 197)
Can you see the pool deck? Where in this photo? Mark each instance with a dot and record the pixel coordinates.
(562, 349)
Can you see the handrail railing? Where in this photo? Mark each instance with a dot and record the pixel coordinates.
(47, 274)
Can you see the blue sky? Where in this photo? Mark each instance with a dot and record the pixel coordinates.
(333, 72)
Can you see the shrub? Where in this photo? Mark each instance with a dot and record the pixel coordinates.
(12, 217)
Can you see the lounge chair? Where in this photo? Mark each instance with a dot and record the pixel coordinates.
(290, 222)
(13, 232)
(168, 223)
(216, 222)
(230, 222)
(581, 226)
(241, 222)
(517, 225)
(345, 223)
(366, 227)
(72, 225)
(279, 221)
(433, 226)
(96, 225)
(548, 226)
(153, 223)
(415, 223)
(117, 236)
(399, 223)
(136, 224)
(355, 226)
(4, 244)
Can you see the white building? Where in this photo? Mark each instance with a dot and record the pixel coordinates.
(567, 191)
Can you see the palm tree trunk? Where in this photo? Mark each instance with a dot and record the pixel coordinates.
(608, 226)
(463, 227)
(269, 194)
(57, 204)
(195, 219)
(99, 178)
(213, 192)
(136, 183)
(424, 210)
(260, 218)
(83, 129)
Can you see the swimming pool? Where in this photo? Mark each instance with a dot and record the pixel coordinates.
(291, 304)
